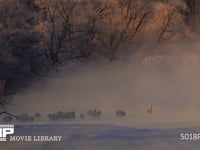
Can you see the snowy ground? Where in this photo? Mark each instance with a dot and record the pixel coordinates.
(103, 137)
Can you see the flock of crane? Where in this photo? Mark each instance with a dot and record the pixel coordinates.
(92, 113)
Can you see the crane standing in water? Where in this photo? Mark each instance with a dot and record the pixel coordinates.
(150, 110)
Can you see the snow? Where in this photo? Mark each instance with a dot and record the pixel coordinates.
(102, 137)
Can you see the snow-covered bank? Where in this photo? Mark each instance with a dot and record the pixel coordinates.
(103, 137)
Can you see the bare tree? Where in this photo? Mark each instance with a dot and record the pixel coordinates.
(131, 16)
(172, 21)
(8, 114)
(38, 35)
(59, 30)
(167, 31)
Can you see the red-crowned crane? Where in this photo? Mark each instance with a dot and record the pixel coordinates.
(150, 110)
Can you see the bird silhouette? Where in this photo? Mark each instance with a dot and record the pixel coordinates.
(150, 110)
